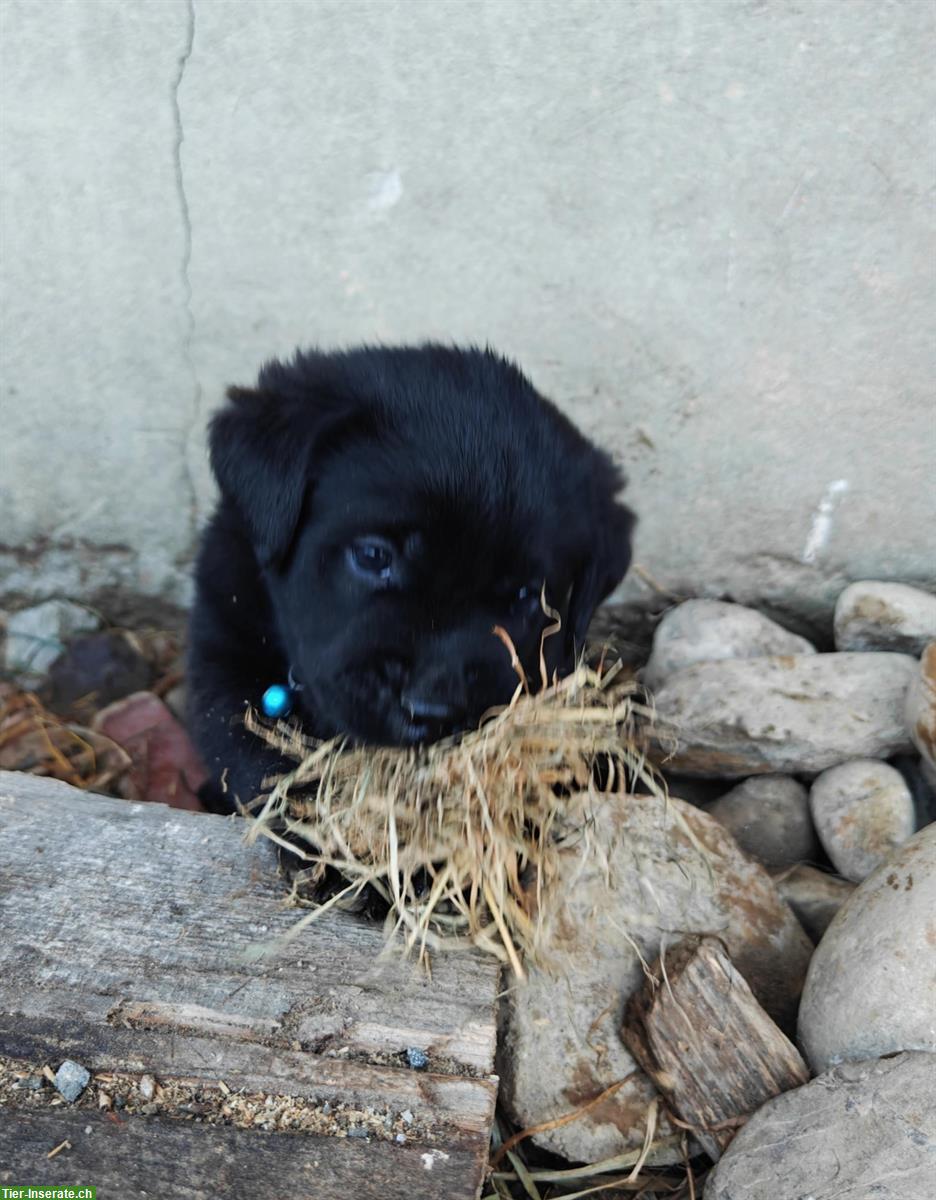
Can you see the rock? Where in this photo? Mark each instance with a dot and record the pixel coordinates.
(36, 636)
(71, 1079)
(784, 715)
(177, 701)
(884, 616)
(97, 669)
(147, 1087)
(862, 811)
(416, 1058)
(871, 987)
(166, 768)
(560, 1045)
(861, 1130)
(707, 630)
(921, 707)
(768, 816)
(814, 896)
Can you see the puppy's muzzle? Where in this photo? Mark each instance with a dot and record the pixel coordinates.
(435, 711)
(431, 718)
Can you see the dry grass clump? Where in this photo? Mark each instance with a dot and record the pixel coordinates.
(462, 838)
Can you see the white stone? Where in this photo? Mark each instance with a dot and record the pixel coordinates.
(860, 1131)
(814, 896)
(871, 987)
(862, 811)
(871, 615)
(768, 816)
(560, 1045)
(920, 708)
(708, 630)
(36, 636)
(785, 714)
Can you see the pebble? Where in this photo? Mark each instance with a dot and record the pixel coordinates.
(707, 630)
(784, 715)
(814, 896)
(71, 1079)
(560, 1045)
(872, 615)
(407, 1117)
(418, 1059)
(871, 986)
(177, 702)
(36, 636)
(147, 1087)
(862, 811)
(861, 1130)
(768, 816)
(920, 707)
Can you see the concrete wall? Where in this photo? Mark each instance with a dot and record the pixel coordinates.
(701, 225)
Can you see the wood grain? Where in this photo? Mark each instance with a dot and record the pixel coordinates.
(170, 1160)
(699, 1033)
(126, 938)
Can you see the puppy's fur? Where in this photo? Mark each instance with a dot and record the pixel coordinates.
(381, 511)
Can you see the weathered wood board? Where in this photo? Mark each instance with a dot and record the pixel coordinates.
(707, 1044)
(125, 939)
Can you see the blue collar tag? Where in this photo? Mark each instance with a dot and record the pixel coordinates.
(277, 701)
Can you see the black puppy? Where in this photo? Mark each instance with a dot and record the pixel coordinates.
(381, 511)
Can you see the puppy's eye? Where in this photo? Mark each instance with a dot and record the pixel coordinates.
(526, 598)
(372, 557)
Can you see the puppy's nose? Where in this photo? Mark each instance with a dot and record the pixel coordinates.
(436, 711)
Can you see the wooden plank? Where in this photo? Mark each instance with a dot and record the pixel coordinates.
(186, 1161)
(707, 1044)
(127, 939)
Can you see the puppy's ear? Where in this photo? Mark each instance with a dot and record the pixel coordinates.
(260, 454)
(606, 565)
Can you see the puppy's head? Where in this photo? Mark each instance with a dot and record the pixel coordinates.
(405, 503)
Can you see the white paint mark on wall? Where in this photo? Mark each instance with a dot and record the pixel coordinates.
(428, 1160)
(386, 188)
(821, 526)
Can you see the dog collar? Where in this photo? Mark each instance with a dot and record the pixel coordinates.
(279, 699)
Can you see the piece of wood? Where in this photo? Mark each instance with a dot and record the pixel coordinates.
(127, 934)
(147, 1157)
(697, 1030)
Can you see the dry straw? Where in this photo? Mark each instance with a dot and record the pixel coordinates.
(462, 839)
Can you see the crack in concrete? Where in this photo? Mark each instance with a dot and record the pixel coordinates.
(189, 338)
